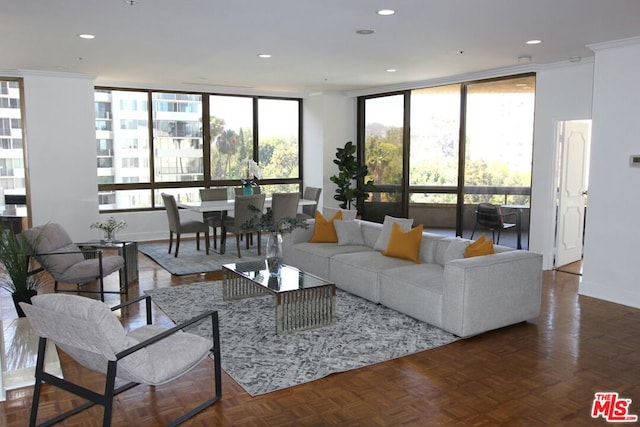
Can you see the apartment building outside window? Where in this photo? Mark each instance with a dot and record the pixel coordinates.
(149, 142)
(12, 171)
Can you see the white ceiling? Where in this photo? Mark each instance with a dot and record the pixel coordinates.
(314, 43)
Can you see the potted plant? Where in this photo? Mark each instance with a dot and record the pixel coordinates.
(350, 173)
(15, 274)
(276, 229)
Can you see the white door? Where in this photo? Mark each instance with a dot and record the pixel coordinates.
(574, 137)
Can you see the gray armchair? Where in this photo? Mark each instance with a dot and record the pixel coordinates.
(52, 247)
(92, 335)
(177, 226)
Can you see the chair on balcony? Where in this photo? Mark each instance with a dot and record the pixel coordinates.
(213, 219)
(491, 217)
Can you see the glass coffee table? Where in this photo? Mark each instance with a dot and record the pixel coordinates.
(303, 301)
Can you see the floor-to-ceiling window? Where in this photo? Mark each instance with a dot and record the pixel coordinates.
(149, 142)
(435, 153)
(498, 148)
(383, 129)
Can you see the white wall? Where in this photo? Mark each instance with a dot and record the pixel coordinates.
(611, 241)
(563, 92)
(60, 151)
(330, 121)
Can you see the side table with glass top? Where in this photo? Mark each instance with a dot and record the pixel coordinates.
(303, 300)
(127, 250)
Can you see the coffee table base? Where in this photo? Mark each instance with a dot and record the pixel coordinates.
(305, 309)
(295, 311)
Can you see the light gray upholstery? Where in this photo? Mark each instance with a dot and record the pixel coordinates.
(213, 219)
(52, 247)
(465, 296)
(89, 332)
(178, 226)
(310, 193)
(284, 205)
(246, 209)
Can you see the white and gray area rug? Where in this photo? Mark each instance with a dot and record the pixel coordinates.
(192, 261)
(261, 361)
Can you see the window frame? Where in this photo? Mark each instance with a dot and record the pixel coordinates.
(155, 186)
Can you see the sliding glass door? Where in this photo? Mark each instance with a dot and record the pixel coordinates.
(384, 119)
(498, 149)
(435, 153)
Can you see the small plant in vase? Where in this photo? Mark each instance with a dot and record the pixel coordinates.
(109, 227)
(252, 173)
(273, 250)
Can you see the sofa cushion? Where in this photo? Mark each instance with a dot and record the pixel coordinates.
(449, 249)
(383, 239)
(357, 272)
(314, 257)
(416, 290)
(347, 214)
(349, 233)
(324, 231)
(405, 245)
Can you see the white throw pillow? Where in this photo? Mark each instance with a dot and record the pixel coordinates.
(456, 250)
(347, 214)
(383, 239)
(349, 233)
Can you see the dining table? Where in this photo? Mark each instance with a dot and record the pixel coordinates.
(227, 205)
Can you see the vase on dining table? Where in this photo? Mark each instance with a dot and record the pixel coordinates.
(247, 187)
(274, 252)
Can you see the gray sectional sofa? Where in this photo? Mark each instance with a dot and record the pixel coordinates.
(465, 296)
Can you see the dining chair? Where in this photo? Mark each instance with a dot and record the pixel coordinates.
(309, 211)
(246, 210)
(90, 333)
(491, 217)
(284, 205)
(213, 219)
(178, 226)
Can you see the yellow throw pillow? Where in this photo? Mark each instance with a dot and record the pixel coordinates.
(324, 231)
(480, 247)
(405, 245)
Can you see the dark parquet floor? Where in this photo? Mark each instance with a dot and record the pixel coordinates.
(543, 372)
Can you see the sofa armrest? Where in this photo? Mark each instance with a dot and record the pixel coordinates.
(489, 292)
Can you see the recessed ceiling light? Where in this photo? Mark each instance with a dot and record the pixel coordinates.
(365, 32)
(391, 70)
(264, 55)
(86, 36)
(534, 41)
(386, 12)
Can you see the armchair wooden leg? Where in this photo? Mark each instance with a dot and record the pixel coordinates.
(177, 244)
(170, 241)
(238, 244)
